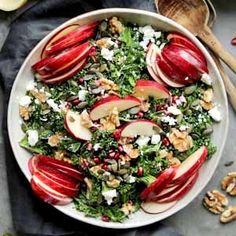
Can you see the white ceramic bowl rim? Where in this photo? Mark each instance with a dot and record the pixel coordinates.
(140, 222)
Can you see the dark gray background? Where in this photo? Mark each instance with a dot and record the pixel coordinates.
(194, 220)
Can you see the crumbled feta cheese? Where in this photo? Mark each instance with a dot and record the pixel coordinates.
(156, 138)
(82, 95)
(183, 127)
(96, 146)
(215, 114)
(144, 44)
(130, 179)
(174, 110)
(180, 100)
(36, 101)
(31, 85)
(25, 101)
(111, 43)
(33, 137)
(142, 140)
(109, 195)
(107, 54)
(53, 105)
(62, 105)
(170, 120)
(206, 79)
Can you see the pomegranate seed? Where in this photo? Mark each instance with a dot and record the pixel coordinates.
(105, 166)
(89, 146)
(140, 114)
(140, 171)
(130, 202)
(105, 218)
(93, 52)
(117, 156)
(233, 41)
(116, 134)
(81, 80)
(174, 98)
(75, 102)
(165, 141)
(97, 160)
(120, 148)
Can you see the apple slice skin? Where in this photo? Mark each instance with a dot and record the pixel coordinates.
(124, 131)
(158, 185)
(77, 131)
(102, 107)
(75, 37)
(198, 158)
(58, 164)
(49, 197)
(56, 36)
(181, 192)
(146, 88)
(155, 208)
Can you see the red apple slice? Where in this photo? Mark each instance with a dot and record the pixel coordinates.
(60, 165)
(147, 88)
(104, 106)
(181, 192)
(58, 176)
(190, 166)
(55, 185)
(74, 126)
(73, 38)
(150, 61)
(63, 77)
(155, 208)
(181, 40)
(47, 194)
(140, 127)
(158, 185)
(57, 36)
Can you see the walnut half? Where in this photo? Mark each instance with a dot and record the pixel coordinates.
(228, 215)
(228, 183)
(215, 201)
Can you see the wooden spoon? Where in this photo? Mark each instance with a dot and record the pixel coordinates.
(194, 15)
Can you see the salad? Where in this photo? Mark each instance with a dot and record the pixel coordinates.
(118, 118)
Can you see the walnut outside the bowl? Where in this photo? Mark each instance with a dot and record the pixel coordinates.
(228, 215)
(228, 183)
(215, 201)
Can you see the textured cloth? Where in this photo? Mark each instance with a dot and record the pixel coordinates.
(30, 215)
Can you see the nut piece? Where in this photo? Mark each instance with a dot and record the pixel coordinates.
(169, 156)
(228, 215)
(112, 121)
(115, 183)
(41, 96)
(215, 201)
(116, 25)
(206, 105)
(62, 155)
(85, 119)
(24, 112)
(108, 85)
(181, 140)
(208, 95)
(228, 183)
(128, 208)
(132, 152)
(54, 140)
(102, 43)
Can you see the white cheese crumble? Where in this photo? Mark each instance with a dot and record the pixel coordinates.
(170, 120)
(109, 195)
(25, 101)
(82, 95)
(174, 110)
(142, 140)
(180, 100)
(31, 85)
(53, 105)
(36, 101)
(183, 127)
(206, 79)
(96, 146)
(156, 138)
(130, 179)
(107, 54)
(33, 137)
(215, 114)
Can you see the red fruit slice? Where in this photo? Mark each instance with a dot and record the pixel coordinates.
(180, 40)
(183, 59)
(158, 185)
(63, 166)
(190, 166)
(57, 36)
(47, 194)
(75, 37)
(181, 192)
(55, 185)
(155, 208)
(63, 77)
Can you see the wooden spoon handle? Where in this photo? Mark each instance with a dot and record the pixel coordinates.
(213, 43)
(230, 88)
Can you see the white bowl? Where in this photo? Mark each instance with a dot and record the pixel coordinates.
(141, 18)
